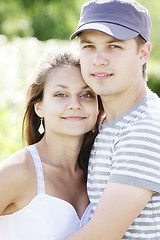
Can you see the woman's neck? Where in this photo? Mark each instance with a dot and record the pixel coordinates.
(60, 151)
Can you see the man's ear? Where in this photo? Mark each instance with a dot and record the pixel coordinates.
(145, 52)
(38, 109)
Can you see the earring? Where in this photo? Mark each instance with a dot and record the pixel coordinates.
(41, 128)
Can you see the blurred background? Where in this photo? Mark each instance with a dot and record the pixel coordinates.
(28, 29)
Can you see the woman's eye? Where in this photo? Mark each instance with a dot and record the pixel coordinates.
(60, 95)
(87, 95)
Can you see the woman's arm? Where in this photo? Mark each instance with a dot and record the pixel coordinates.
(119, 205)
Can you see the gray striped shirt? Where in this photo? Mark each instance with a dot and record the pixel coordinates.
(127, 151)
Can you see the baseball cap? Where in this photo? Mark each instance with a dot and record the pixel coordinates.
(122, 19)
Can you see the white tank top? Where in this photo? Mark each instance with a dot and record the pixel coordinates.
(45, 217)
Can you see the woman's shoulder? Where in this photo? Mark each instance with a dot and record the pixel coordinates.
(16, 173)
(19, 161)
(17, 169)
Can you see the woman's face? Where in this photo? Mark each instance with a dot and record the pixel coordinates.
(69, 106)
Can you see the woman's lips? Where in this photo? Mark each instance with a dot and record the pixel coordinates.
(74, 118)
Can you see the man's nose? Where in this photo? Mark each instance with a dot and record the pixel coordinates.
(100, 58)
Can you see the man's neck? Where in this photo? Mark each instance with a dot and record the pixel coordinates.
(116, 106)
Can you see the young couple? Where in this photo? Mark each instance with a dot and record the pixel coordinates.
(43, 187)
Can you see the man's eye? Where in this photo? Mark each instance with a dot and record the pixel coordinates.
(88, 46)
(114, 46)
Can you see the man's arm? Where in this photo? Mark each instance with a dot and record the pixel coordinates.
(119, 205)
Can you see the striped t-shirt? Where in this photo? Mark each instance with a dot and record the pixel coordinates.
(127, 151)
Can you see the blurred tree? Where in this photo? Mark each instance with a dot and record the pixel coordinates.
(50, 19)
(43, 19)
(13, 21)
(154, 8)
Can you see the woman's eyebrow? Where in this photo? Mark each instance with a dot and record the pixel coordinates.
(85, 87)
(64, 86)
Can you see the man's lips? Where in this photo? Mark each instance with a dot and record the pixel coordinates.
(101, 75)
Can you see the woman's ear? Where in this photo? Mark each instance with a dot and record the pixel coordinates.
(145, 52)
(38, 109)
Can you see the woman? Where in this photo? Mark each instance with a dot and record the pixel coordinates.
(43, 186)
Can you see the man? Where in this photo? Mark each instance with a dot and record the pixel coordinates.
(124, 167)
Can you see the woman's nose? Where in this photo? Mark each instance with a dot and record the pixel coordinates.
(74, 103)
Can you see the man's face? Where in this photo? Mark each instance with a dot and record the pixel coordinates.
(110, 66)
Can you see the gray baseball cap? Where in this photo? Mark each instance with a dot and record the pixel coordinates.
(122, 19)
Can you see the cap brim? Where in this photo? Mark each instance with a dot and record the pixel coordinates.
(114, 30)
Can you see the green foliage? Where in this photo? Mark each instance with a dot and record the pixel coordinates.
(154, 75)
(153, 8)
(42, 19)
(9, 134)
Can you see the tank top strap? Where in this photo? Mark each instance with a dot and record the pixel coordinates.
(38, 167)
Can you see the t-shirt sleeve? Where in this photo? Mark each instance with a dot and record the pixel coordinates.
(136, 156)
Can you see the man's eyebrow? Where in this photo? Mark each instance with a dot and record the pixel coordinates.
(85, 41)
(115, 40)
